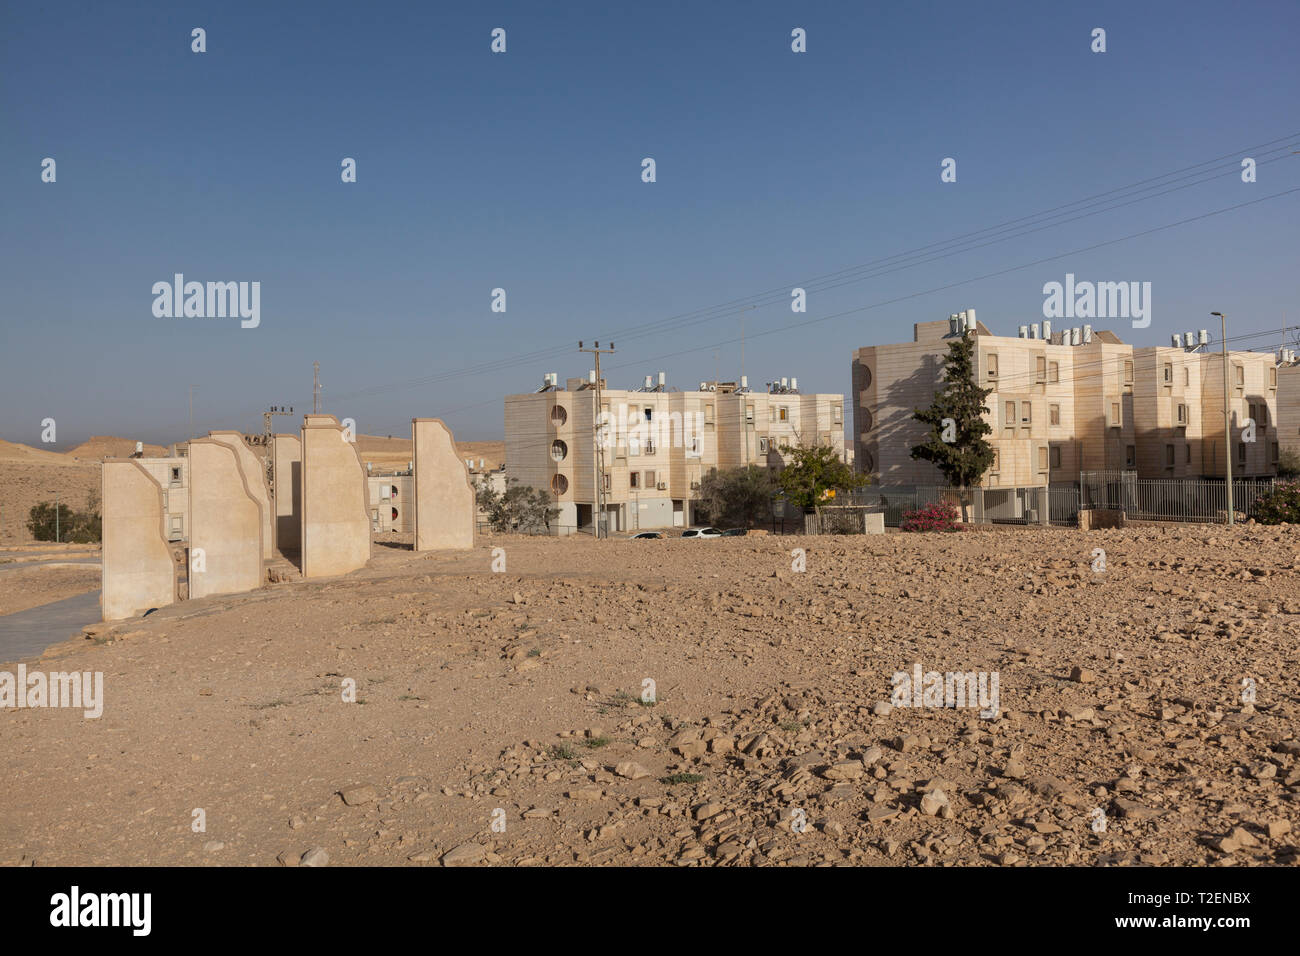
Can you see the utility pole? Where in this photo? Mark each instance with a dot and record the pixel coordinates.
(315, 387)
(598, 449)
(267, 441)
(1227, 422)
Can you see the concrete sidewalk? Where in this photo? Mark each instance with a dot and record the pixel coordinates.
(28, 633)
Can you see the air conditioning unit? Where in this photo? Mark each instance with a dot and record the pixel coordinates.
(662, 486)
(695, 486)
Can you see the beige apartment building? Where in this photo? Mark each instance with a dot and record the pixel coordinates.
(1288, 402)
(655, 443)
(1068, 401)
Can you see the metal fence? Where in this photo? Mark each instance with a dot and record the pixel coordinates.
(1170, 499)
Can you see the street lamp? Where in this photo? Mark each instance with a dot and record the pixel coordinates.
(1227, 422)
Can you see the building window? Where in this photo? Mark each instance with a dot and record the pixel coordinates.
(1169, 456)
(1128, 372)
(1181, 417)
(649, 446)
(762, 446)
(1026, 413)
(749, 413)
(1187, 454)
(1056, 456)
(1040, 369)
(1054, 414)
(1241, 452)
(1187, 376)
(559, 450)
(1130, 456)
(837, 414)
(1240, 372)
(783, 414)
(1273, 452)
(991, 365)
(1272, 377)
(559, 484)
(1167, 373)
(1115, 420)
(649, 479)
(559, 416)
(649, 414)
(1053, 371)
(693, 447)
(634, 479)
(1009, 412)
(997, 462)
(605, 482)
(634, 444)
(708, 413)
(176, 476)
(1042, 458)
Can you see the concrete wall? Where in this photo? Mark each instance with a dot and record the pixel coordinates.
(335, 519)
(226, 522)
(254, 469)
(137, 572)
(286, 459)
(444, 497)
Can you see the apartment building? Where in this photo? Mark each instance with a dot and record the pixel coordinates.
(1070, 401)
(655, 444)
(1288, 402)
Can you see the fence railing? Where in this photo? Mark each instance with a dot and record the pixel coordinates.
(1145, 499)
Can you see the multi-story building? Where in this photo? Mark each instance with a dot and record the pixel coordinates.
(1070, 401)
(1288, 401)
(654, 444)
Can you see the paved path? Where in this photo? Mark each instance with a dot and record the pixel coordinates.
(28, 633)
(20, 566)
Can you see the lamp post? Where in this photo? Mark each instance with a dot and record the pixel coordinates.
(1227, 421)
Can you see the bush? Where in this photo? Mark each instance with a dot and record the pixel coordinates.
(1279, 505)
(936, 517)
(1288, 463)
(78, 527)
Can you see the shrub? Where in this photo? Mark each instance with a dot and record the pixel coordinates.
(1279, 505)
(936, 517)
(78, 527)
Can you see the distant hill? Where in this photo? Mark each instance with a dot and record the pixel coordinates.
(109, 446)
(16, 452)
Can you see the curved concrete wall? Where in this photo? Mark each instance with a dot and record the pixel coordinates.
(287, 460)
(226, 522)
(445, 510)
(254, 470)
(335, 520)
(136, 563)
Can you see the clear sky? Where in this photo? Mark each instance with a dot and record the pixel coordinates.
(523, 171)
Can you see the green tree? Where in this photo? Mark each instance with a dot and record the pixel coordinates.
(77, 527)
(519, 508)
(956, 444)
(736, 496)
(813, 473)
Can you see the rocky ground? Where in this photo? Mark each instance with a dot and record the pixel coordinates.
(499, 718)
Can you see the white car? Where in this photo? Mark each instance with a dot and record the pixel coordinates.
(701, 533)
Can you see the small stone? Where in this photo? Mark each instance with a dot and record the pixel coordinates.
(1082, 675)
(355, 796)
(882, 708)
(933, 802)
(1278, 829)
(466, 854)
(316, 856)
(586, 794)
(706, 810)
(631, 770)
(288, 858)
(212, 846)
(1014, 769)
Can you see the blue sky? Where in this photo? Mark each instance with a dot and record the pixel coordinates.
(522, 171)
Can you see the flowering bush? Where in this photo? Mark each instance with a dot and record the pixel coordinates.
(937, 517)
(1279, 505)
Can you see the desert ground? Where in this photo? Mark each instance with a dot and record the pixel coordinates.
(1148, 712)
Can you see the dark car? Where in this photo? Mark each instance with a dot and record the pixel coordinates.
(735, 532)
(648, 535)
(701, 533)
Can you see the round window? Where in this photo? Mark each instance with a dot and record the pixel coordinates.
(866, 420)
(559, 484)
(559, 450)
(559, 416)
(866, 377)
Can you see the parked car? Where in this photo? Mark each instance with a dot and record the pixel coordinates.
(701, 533)
(648, 534)
(735, 532)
